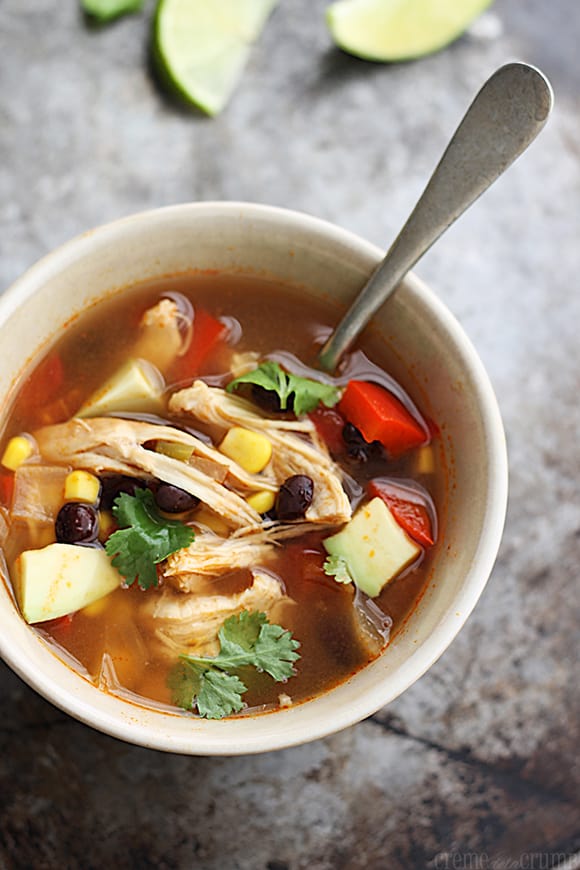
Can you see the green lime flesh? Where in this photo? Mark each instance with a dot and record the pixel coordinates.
(395, 30)
(201, 46)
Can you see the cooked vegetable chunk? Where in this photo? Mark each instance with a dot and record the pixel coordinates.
(38, 493)
(182, 452)
(372, 547)
(81, 485)
(18, 450)
(137, 386)
(262, 501)
(61, 579)
(251, 450)
(380, 416)
(407, 508)
(208, 332)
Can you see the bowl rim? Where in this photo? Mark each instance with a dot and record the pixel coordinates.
(443, 633)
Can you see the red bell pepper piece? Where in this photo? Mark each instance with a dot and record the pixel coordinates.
(380, 416)
(412, 516)
(207, 332)
(329, 425)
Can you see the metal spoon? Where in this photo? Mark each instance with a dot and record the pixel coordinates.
(505, 117)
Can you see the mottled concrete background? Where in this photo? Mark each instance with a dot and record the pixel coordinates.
(476, 766)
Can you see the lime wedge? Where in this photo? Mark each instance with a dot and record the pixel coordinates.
(392, 30)
(108, 10)
(201, 46)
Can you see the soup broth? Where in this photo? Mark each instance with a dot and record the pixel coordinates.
(225, 326)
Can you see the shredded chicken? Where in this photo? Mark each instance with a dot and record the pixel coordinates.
(211, 556)
(4, 516)
(112, 444)
(190, 623)
(292, 453)
(214, 405)
(160, 338)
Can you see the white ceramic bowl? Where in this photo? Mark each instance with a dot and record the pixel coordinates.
(329, 261)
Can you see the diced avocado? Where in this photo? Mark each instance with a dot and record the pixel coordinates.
(373, 546)
(137, 386)
(61, 579)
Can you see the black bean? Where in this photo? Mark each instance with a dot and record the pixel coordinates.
(113, 485)
(76, 523)
(174, 500)
(357, 447)
(294, 497)
(269, 400)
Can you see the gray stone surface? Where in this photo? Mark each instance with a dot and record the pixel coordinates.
(476, 766)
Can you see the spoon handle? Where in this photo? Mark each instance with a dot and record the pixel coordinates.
(504, 118)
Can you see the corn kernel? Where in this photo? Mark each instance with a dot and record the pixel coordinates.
(174, 450)
(18, 450)
(107, 525)
(81, 486)
(425, 460)
(251, 450)
(263, 501)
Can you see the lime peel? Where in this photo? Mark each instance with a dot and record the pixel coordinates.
(201, 46)
(108, 10)
(396, 30)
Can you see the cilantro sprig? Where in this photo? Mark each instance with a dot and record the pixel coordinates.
(144, 539)
(337, 567)
(307, 394)
(246, 639)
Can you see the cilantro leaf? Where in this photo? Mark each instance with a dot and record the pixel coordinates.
(275, 652)
(249, 639)
(215, 693)
(144, 539)
(307, 393)
(108, 10)
(269, 375)
(246, 639)
(240, 632)
(220, 694)
(184, 680)
(337, 567)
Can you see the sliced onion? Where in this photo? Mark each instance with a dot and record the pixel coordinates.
(375, 626)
